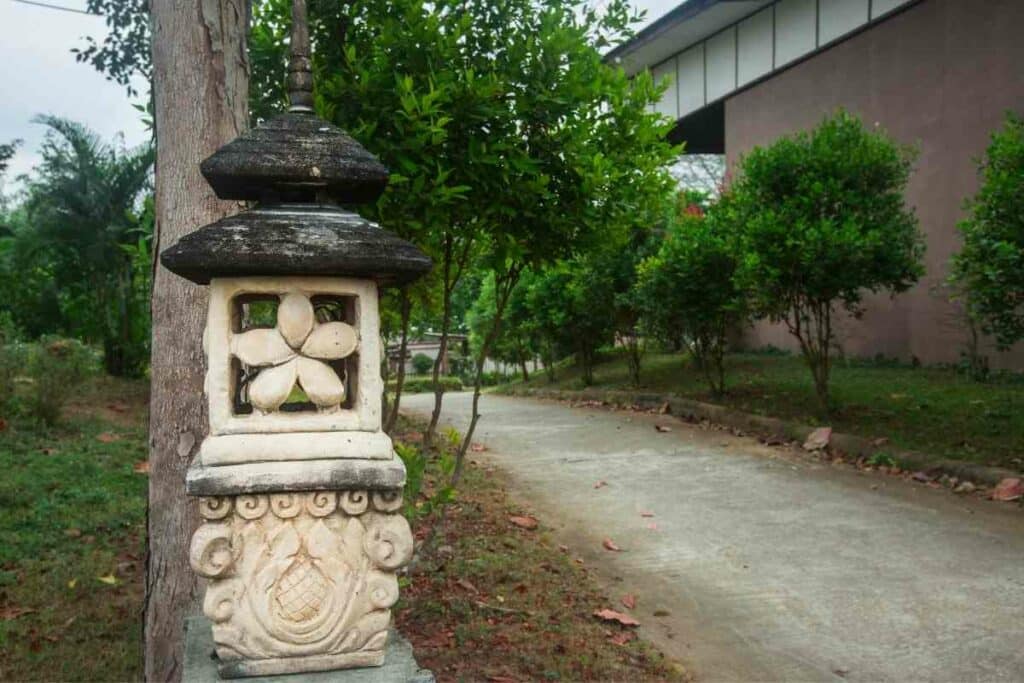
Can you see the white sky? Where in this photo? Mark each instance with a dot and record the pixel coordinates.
(39, 75)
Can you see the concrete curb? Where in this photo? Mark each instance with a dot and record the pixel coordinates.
(849, 444)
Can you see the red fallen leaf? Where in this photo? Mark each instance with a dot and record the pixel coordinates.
(622, 638)
(611, 615)
(609, 544)
(524, 521)
(478, 448)
(629, 601)
(662, 428)
(3, 425)
(646, 513)
(107, 437)
(600, 484)
(141, 467)
(11, 612)
(1008, 489)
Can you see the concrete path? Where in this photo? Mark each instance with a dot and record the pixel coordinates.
(770, 566)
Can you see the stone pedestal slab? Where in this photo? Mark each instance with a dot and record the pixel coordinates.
(399, 665)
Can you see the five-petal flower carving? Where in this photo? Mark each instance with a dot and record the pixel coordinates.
(294, 351)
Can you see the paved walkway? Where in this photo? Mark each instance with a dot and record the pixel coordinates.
(770, 567)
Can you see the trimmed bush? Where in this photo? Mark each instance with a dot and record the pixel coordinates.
(422, 363)
(419, 385)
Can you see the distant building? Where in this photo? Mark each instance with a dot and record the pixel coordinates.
(936, 73)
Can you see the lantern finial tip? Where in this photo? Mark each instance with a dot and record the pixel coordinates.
(300, 71)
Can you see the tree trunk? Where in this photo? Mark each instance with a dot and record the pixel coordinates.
(403, 348)
(201, 80)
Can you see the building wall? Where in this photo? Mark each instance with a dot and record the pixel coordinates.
(941, 75)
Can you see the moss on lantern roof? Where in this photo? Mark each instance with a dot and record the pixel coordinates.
(296, 151)
(295, 239)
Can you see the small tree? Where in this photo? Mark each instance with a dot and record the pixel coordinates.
(689, 288)
(990, 267)
(823, 220)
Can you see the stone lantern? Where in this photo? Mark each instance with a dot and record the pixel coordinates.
(298, 487)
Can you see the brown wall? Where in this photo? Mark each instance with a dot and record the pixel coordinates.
(939, 75)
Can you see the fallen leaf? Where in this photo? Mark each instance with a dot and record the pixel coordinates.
(629, 601)
(3, 425)
(600, 484)
(665, 408)
(109, 579)
(653, 526)
(609, 544)
(72, 533)
(662, 428)
(646, 513)
(107, 437)
(818, 439)
(921, 476)
(72, 583)
(662, 613)
(564, 548)
(502, 679)
(524, 521)
(1008, 489)
(611, 615)
(118, 407)
(9, 613)
(141, 467)
(48, 450)
(467, 585)
(478, 448)
(622, 638)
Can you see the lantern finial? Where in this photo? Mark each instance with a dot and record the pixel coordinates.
(300, 72)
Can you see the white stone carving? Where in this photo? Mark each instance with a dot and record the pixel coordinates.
(293, 352)
(296, 351)
(308, 575)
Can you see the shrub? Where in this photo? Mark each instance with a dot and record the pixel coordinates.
(419, 385)
(56, 366)
(689, 288)
(990, 267)
(422, 363)
(822, 220)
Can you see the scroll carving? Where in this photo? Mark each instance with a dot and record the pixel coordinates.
(301, 574)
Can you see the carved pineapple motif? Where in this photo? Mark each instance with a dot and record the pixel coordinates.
(301, 591)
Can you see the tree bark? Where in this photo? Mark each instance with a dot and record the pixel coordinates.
(201, 81)
(403, 348)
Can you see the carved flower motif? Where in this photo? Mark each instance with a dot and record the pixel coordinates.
(294, 351)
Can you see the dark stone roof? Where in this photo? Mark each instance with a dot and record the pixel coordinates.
(296, 151)
(295, 239)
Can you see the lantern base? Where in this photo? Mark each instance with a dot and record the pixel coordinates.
(398, 665)
(294, 475)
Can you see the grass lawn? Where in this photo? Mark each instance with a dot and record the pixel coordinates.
(72, 529)
(934, 410)
(496, 601)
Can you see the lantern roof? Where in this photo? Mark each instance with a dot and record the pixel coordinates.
(295, 155)
(295, 239)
